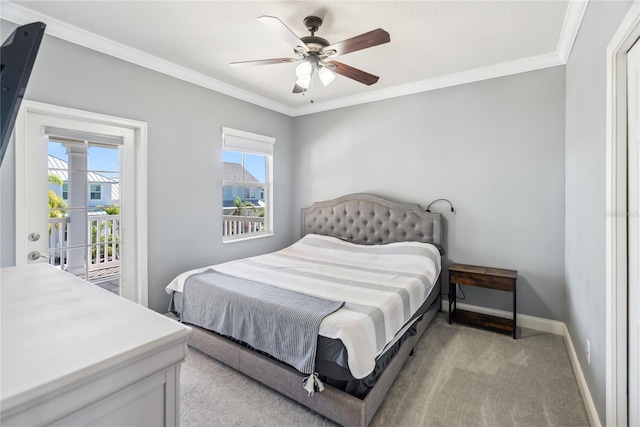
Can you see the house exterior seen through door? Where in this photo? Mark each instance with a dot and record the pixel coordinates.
(84, 209)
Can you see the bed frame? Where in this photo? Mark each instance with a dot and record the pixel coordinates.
(363, 219)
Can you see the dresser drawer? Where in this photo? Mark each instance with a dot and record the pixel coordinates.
(482, 280)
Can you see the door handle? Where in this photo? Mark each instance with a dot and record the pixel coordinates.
(34, 255)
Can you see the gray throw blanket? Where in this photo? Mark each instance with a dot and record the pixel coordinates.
(277, 321)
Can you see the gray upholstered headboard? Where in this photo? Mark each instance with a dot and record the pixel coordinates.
(368, 219)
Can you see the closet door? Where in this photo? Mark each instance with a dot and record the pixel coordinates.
(633, 128)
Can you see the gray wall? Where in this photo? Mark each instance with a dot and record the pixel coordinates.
(494, 148)
(7, 209)
(184, 155)
(585, 191)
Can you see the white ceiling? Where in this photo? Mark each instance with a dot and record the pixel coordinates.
(433, 43)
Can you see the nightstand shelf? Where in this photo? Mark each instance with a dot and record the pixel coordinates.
(483, 277)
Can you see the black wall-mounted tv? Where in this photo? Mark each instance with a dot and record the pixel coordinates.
(17, 56)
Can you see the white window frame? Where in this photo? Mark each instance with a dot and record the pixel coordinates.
(251, 143)
(98, 191)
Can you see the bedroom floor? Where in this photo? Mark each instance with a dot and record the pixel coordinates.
(458, 376)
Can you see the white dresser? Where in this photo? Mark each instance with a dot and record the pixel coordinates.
(75, 354)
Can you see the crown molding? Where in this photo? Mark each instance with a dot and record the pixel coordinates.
(572, 21)
(56, 28)
(470, 76)
(570, 27)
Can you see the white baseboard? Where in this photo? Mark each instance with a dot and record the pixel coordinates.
(543, 325)
(536, 323)
(582, 383)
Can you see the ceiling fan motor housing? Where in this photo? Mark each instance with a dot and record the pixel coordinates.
(312, 23)
(314, 43)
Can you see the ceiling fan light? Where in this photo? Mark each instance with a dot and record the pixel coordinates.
(326, 76)
(304, 70)
(304, 82)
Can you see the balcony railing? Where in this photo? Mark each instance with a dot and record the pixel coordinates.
(103, 236)
(105, 241)
(234, 225)
(58, 229)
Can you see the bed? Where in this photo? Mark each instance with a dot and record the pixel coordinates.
(353, 250)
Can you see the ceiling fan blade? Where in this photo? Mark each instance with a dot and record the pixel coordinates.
(298, 89)
(278, 27)
(363, 41)
(352, 73)
(264, 62)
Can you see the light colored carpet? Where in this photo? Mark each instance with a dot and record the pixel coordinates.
(458, 376)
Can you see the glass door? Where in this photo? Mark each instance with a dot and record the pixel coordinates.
(84, 210)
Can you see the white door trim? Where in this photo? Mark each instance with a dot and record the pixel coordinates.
(134, 220)
(616, 218)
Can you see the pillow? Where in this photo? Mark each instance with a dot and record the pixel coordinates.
(440, 248)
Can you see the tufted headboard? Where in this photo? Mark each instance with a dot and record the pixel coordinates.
(368, 219)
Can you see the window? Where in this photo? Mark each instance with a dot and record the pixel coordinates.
(96, 192)
(65, 191)
(247, 190)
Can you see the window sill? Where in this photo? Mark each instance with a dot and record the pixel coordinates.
(244, 239)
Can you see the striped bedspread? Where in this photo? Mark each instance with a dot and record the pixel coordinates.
(382, 286)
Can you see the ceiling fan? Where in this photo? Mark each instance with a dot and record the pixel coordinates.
(316, 53)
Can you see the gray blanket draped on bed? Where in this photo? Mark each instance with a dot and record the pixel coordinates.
(277, 321)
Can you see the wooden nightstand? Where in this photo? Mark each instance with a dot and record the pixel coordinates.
(483, 277)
